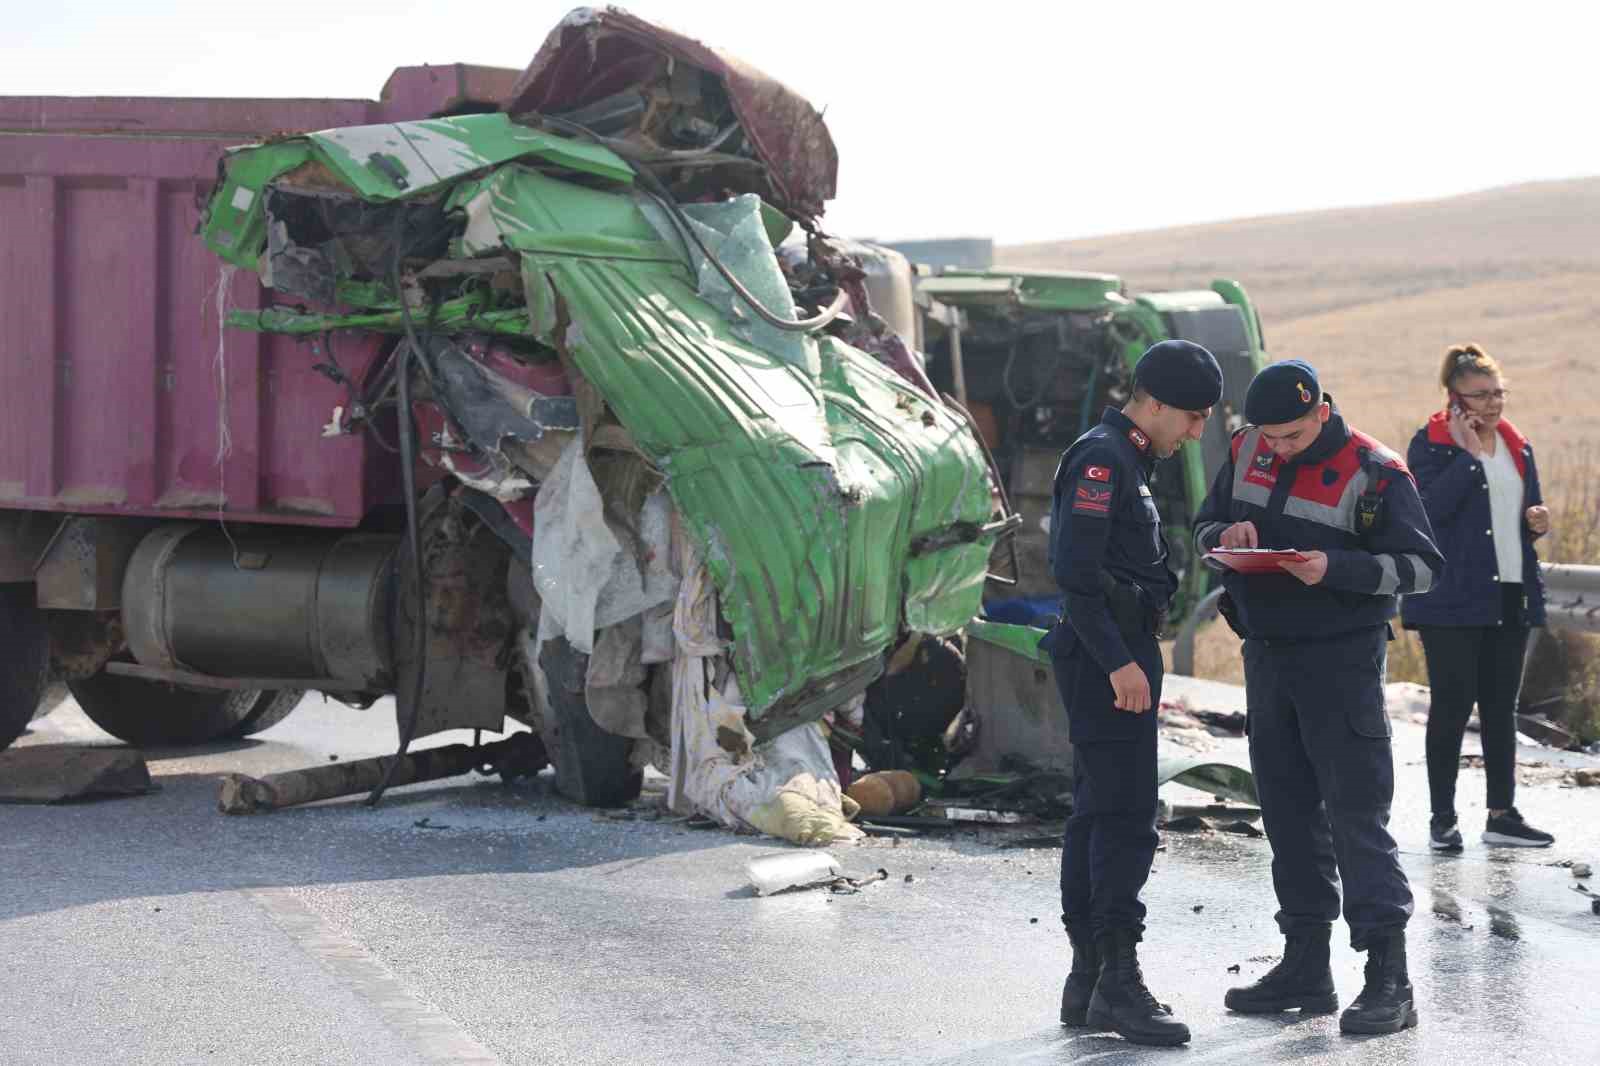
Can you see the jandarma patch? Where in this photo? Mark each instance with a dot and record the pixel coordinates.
(1140, 441)
(1091, 498)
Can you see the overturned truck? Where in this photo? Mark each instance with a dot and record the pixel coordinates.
(494, 396)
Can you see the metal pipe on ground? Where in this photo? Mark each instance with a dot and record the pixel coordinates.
(521, 753)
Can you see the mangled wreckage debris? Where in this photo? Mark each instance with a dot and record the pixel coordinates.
(688, 495)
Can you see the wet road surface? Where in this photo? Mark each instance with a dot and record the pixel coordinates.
(468, 922)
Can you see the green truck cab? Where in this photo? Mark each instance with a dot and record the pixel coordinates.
(1035, 356)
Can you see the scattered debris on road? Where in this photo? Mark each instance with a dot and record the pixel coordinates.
(772, 874)
(1594, 900)
(792, 869)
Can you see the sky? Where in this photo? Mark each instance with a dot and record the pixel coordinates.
(1019, 121)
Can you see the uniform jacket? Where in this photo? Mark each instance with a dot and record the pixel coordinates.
(1346, 495)
(1456, 495)
(1103, 520)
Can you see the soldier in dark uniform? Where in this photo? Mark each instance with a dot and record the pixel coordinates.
(1110, 559)
(1315, 645)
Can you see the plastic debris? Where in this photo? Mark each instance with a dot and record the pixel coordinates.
(792, 869)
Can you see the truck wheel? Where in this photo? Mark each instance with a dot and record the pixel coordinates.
(24, 660)
(591, 764)
(273, 707)
(151, 714)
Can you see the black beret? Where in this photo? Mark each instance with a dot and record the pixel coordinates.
(1180, 374)
(1282, 393)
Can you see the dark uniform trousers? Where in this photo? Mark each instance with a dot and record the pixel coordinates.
(1110, 839)
(1320, 750)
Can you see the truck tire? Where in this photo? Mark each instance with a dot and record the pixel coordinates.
(24, 660)
(151, 714)
(592, 766)
(273, 707)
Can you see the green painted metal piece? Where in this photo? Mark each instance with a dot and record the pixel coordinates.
(235, 223)
(1179, 300)
(466, 315)
(1038, 290)
(384, 163)
(1019, 640)
(1233, 293)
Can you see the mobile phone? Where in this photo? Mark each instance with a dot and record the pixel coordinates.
(1457, 408)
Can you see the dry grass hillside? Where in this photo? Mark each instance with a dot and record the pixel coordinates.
(1374, 295)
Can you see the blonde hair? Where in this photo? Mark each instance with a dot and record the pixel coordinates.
(1463, 359)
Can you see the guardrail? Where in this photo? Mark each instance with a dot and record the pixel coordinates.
(1572, 596)
(1571, 593)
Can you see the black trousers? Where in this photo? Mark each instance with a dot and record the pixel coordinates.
(1319, 747)
(1110, 840)
(1482, 665)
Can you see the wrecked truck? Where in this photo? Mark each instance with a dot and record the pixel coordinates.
(454, 400)
(1036, 355)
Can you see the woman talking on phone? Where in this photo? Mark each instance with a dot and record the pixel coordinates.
(1481, 491)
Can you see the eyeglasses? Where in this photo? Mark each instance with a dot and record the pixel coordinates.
(1477, 397)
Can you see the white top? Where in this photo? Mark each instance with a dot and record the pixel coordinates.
(1505, 510)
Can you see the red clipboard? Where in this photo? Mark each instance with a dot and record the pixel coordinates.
(1254, 560)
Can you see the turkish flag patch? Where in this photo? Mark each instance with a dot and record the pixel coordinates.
(1097, 473)
(1091, 498)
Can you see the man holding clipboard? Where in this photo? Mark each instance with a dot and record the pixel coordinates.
(1319, 530)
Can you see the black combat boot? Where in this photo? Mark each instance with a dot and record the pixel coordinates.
(1385, 1004)
(1303, 979)
(1080, 982)
(1122, 1003)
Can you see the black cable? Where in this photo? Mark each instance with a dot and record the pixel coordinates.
(408, 480)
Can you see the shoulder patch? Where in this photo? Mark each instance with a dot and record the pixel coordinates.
(1097, 473)
(1092, 498)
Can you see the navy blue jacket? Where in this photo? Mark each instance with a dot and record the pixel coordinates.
(1346, 495)
(1456, 494)
(1103, 520)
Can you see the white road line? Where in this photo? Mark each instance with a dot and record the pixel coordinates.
(434, 1035)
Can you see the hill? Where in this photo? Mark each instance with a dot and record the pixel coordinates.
(1373, 295)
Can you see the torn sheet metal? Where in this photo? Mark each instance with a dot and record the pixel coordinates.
(491, 407)
(382, 163)
(599, 53)
(734, 232)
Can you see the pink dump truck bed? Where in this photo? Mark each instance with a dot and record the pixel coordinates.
(118, 393)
